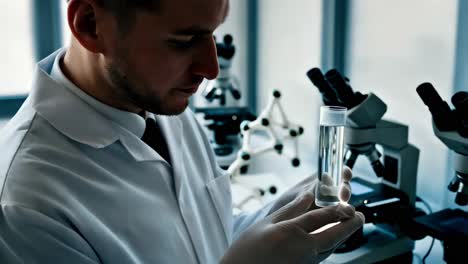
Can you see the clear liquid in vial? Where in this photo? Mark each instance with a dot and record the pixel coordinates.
(331, 144)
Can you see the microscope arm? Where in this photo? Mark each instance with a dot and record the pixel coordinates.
(453, 140)
(386, 133)
(367, 113)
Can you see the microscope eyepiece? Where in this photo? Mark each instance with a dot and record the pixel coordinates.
(428, 94)
(227, 39)
(440, 110)
(460, 101)
(343, 91)
(329, 96)
(226, 49)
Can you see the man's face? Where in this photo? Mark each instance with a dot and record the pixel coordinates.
(164, 56)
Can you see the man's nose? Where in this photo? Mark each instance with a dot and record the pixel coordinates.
(205, 61)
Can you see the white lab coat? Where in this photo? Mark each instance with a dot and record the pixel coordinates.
(78, 187)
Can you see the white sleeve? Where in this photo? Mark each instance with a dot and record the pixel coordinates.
(27, 236)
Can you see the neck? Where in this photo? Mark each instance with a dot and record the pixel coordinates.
(87, 71)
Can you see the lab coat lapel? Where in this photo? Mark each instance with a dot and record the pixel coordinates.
(173, 131)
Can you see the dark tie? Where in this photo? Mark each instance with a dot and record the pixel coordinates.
(155, 139)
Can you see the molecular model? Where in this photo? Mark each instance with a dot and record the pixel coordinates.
(277, 131)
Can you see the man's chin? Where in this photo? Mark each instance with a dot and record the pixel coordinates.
(171, 110)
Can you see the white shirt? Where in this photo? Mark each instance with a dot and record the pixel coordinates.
(80, 186)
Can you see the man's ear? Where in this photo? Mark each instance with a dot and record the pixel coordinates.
(83, 16)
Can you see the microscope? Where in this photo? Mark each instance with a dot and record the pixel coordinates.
(450, 226)
(388, 203)
(451, 127)
(221, 120)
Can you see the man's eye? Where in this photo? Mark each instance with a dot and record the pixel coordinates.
(182, 44)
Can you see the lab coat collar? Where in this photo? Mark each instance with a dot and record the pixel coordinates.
(66, 112)
(77, 120)
(127, 120)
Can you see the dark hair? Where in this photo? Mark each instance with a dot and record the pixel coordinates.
(124, 10)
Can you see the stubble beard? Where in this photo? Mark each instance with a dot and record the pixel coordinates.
(131, 92)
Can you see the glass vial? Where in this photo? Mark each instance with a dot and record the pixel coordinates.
(330, 158)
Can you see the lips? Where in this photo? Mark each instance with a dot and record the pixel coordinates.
(190, 89)
(192, 85)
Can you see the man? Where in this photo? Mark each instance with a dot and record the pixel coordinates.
(104, 163)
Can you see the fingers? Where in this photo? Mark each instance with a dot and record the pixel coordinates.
(328, 190)
(330, 238)
(293, 209)
(326, 186)
(347, 174)
(326, 179)
(315, 219)
(345, 188)
(345, 192)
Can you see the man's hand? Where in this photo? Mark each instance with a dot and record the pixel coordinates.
(286, 235)
(308, 185)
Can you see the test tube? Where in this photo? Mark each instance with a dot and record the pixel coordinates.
(330, 158)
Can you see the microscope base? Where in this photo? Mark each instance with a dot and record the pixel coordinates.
(381, 246)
